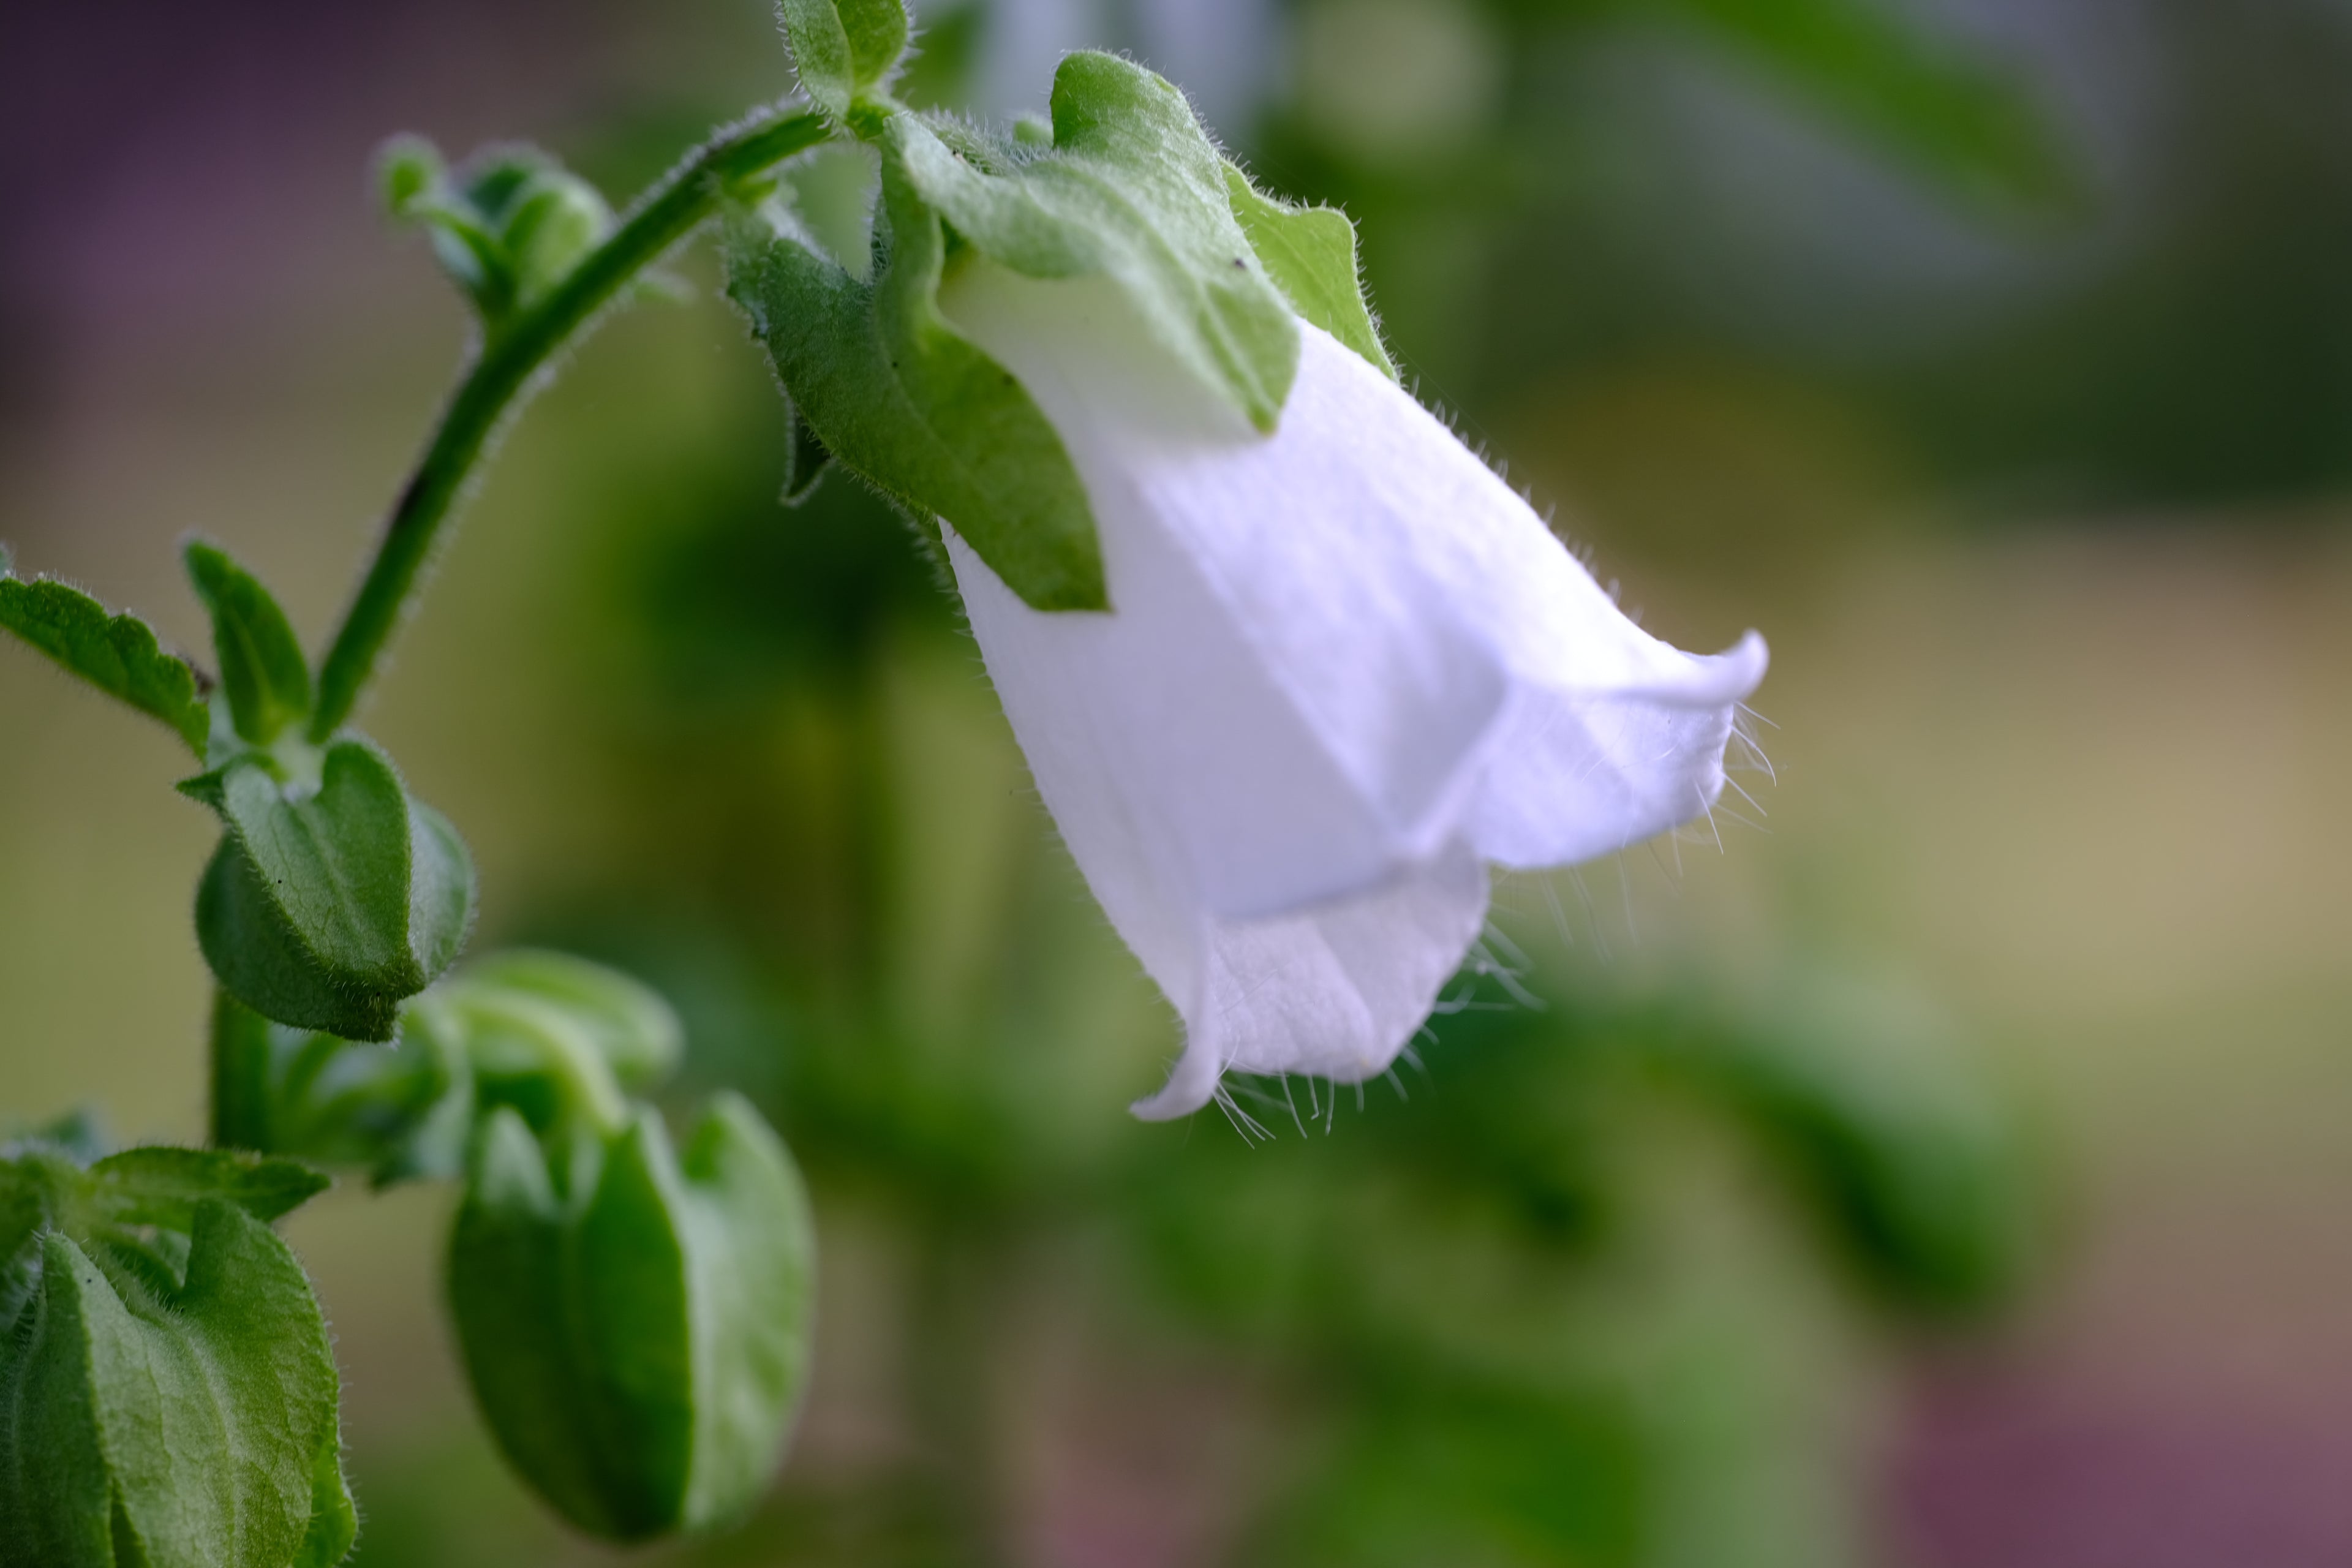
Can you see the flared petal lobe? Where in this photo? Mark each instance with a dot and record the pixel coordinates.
(1344, 662)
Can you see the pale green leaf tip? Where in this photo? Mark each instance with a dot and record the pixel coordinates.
(408, 168)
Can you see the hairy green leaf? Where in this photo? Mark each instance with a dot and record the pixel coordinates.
(844, 51)
(159, 1184)
(1130, 189)
(1310, 254)
(637, 1342)
(898, 395)
(57, 1495)
(324, 908)
(171, 1425)
(262, 671)
(116, 653)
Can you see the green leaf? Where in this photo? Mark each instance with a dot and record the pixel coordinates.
(1132, 189)
(324, 909)
(1310, 254)
(639, 1346)
(902, 398)
(178, 1429)
(162, 1185)
(56, 1494)
(263, 672)
(844, 51)
(117, 654)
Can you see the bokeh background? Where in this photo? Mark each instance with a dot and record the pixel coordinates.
(1943, 1170)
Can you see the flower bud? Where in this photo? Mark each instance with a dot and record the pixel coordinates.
(634, 1324)
(167, 1395)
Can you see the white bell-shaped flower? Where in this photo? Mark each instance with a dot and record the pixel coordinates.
(1344, 666)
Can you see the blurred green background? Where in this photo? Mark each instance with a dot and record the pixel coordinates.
(1944, 1172)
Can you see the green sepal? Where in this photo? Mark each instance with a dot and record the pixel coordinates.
(165, 1428)
(903, 399)
(262, 671)
(844, 52)
(1310, 254)
(166, 1393)
(162, 1185)
(116, 653)
(636, 1333)
(137, 1193)
(324, 908)
(1130, 189)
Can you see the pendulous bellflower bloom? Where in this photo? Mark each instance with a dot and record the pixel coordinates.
(1345, 666)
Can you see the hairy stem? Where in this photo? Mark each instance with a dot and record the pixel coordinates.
(512, 365)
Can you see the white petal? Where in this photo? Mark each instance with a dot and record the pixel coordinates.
(1333, 991)
(1579, 773)
(1336, 989)
(1295, 709)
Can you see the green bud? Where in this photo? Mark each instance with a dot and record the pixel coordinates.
(635, 1325)
(331, 897)
(508, 227)
(167, 1395)
(557, 220)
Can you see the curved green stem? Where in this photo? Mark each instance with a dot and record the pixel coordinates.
(510, 366)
